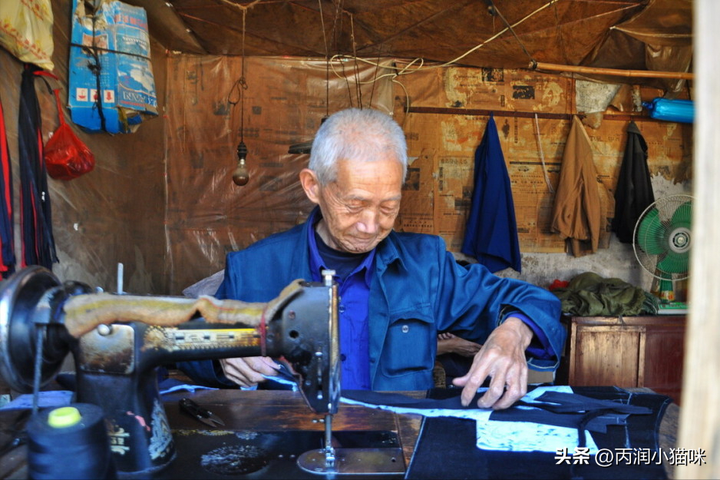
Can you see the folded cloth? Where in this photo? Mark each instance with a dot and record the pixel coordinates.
(589, 294)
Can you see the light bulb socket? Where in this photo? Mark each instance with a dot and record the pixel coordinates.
(242, 151)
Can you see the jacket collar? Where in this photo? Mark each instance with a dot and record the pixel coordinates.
(386, 252)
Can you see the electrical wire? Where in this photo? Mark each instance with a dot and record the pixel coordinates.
(418, 64)
(327, 61)
(240, 84)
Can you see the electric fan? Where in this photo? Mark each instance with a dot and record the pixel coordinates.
(662, 241)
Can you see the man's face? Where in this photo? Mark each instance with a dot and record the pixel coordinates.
(360, 207)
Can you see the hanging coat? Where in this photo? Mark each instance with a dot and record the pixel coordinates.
(634, 192)
(577, 214)
(491, 231)
(38, 247)
(7, 235)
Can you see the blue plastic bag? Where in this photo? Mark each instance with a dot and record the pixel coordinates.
(682, 111)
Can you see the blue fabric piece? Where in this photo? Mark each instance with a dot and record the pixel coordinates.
(417, 290)
(354, 293)
(491, 231)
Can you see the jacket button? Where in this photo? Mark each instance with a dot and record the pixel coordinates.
(405, 328)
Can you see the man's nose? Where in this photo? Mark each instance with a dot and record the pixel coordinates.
(369, 221)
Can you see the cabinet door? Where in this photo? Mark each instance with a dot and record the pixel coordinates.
(605, 355)
(663, 363)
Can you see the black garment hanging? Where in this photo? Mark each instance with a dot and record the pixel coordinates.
(36, 214)
(634, 192)
(7, 230)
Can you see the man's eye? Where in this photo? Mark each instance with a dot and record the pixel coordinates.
(389, 210)
(354, 208)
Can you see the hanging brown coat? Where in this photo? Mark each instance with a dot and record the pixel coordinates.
(577, 211)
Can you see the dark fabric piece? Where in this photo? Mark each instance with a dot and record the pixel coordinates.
(372, 397)
(596, 421)
(561, 409)
(446, 446)
(36, 217)
(7, 229)
(491, 232)
(561, 402)
(571, 410)
(634, 192)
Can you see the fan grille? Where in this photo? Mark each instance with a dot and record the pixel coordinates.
(662, 237)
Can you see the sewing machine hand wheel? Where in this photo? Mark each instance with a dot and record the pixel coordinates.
(27, 303)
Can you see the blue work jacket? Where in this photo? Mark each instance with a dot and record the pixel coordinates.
(417, 290)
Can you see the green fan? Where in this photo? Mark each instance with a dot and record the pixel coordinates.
(662, 241)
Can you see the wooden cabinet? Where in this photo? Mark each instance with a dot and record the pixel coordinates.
(625, 352)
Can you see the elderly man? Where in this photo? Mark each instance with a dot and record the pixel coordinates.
(397, 290)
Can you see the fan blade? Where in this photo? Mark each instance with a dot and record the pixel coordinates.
(651, 236)
(674, 262)
(683, 215)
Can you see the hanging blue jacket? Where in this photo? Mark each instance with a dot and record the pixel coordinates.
(418, 289)
(491, 234)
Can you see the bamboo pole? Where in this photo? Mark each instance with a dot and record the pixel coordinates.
(700, 412)
(610, 71)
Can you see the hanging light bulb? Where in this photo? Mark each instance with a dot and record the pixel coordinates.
(240, 175)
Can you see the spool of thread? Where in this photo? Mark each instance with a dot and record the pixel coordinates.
(69, 442)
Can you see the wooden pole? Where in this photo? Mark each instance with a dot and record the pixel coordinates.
(700, 409)
(610, 71)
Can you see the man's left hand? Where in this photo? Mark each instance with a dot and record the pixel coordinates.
(502, 358)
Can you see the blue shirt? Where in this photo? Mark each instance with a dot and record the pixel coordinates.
(354, 293)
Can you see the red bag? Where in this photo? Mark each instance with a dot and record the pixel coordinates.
(66, 156)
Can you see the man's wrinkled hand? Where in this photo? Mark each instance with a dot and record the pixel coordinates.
(248, 371)
(502, 358)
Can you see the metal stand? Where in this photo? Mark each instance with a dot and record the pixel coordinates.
(354, 461)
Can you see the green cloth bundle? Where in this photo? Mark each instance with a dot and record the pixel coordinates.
(590, 295)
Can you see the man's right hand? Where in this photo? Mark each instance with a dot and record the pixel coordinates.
(248, 371)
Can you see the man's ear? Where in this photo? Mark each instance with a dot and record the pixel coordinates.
(310, 184)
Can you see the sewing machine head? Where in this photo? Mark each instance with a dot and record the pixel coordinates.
(116, 351)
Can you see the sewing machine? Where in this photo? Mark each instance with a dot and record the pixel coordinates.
(118, 340)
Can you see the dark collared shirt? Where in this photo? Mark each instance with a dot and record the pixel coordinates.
(354, 278)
